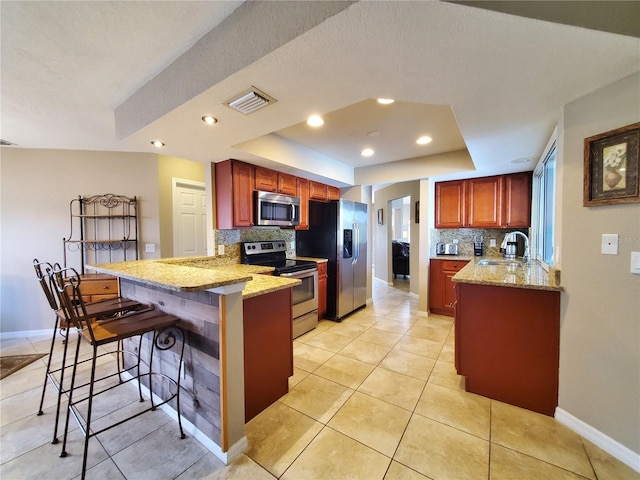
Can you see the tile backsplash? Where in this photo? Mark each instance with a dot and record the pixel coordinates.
(231, 240)
(465, 239)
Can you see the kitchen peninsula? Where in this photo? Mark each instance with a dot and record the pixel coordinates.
(507, 332)
(215, 303)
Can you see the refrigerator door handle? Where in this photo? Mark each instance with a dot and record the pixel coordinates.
(357, 243)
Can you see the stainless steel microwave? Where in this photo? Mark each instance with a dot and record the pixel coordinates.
(273, 209)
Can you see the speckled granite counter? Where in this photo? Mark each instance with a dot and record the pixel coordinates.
(466, 258)
(529, 276)
(313, 259)
(193, 274)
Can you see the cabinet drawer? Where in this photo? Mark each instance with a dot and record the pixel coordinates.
(99, 286)
(453, 265)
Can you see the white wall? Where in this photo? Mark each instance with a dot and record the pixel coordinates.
(600, 316)
(36, 188)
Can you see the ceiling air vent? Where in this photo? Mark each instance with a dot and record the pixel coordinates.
(249, 101)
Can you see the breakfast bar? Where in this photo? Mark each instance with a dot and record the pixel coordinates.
(208, 298)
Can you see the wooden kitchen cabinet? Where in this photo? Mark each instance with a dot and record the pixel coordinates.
(268, 349)
(441, 287)
(234, 194)
(268, 180)
(98, 286)
(302, 191)
(322, 289)
(318, 191)
(517, 204)
(507, 344)
(502, 201)
(333, 193)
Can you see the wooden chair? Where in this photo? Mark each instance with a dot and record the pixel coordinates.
(97, 310)
(162, 327)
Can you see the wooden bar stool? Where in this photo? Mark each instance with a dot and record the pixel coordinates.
(162, 327)
(96, 310)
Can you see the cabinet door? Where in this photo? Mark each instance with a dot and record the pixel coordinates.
(333, 193)
(484, 202)
(242, 194)
(317, 191)
(266, 180)
(517, 205)
(302, 191)
(287, 184)
(450, 204)
(435, 286)
(322, 289)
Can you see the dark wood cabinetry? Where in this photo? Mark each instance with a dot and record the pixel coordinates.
(507, 344)
(322, 289)
(271, 181)
(501, 201)
(234, 194)
(441, 287)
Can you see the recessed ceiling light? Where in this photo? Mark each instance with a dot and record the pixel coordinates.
(367, 152)
(157, 143)
(315, 121)
(386, 101)
(209, 119)
(424, 140)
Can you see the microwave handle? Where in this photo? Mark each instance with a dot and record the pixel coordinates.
(292, 215)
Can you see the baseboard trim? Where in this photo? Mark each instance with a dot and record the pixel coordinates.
(25, 334)
(606, 443)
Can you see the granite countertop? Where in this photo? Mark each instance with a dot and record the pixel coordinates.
(198, 273)
(466, 258)
(312, 259)
(529, 276)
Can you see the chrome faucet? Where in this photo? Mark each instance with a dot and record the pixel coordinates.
(511, 237)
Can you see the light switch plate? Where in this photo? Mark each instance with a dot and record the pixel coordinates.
(635, 263)
(150, 247)
(609, 243)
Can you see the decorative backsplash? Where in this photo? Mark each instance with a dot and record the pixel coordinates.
(231, 240)
(465, 238)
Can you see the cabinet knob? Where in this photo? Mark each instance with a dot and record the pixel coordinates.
(105, 287)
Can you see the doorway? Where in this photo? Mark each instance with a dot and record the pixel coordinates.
(400, 241)
(189, 218)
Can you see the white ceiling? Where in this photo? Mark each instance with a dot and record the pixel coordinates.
(75, 75)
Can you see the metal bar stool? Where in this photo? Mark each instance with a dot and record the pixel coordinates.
(97, 310)
(162, 327)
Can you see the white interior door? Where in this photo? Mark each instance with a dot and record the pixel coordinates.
(189, 218)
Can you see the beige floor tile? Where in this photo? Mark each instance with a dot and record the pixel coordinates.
(445, 375)
(308, 357)
(442, 452)
(393, 325)
(397, 471)
(365, 351)
(210, 468)
(345, 371)
(435, 321)
(380, 337)
(429, 332)
(361, 318)
(394, 388)
(330, 341)
(607, 466)
(317, 397)
(22, 381)
(352, 330)
(375, 423)
(508, 464)
(448, 354)
(419, 346)
(18, 346)
(408, 364)
(278, 435)
(25, 404)
(539, 436)
(465, 411)
(332, 455)
(297, 377)
(105, 470)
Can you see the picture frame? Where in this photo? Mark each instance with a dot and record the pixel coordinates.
(380, 217)
(418, 211)
(611, 165)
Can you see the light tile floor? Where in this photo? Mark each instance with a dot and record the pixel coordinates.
(373, 397)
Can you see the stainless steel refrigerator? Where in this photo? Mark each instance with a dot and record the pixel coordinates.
(338, 232)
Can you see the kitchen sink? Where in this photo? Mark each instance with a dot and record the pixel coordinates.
(503, 262)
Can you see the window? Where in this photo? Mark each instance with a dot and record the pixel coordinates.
(544, 195)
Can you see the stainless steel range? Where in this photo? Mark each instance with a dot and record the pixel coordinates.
(273, 253)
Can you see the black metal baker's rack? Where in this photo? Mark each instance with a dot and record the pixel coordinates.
(104, 228)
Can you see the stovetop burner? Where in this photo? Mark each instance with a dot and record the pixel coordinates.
(273, 254)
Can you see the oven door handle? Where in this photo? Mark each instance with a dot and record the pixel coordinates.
(301, 273)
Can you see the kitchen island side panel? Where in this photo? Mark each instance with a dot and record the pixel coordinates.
(509, 344)
(200, 318)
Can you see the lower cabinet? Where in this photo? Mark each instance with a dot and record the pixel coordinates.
(98, 286)
(268, 350)
(322, 289)
(441, 287)
(507, 344)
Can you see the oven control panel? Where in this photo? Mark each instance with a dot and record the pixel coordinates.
(254, 248)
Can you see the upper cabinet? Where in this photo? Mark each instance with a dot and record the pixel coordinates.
(271, 181)
(502, 201)
(234, 194)
(303, 192)
(333, 193)
(318, 191)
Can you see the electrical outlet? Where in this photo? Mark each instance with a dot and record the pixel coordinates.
(150, 247)
(492, 242)
(220, 249)
(609, 244)
(635, 263)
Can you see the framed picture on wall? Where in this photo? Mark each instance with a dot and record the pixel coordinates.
(611, 164)
(380, 219)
